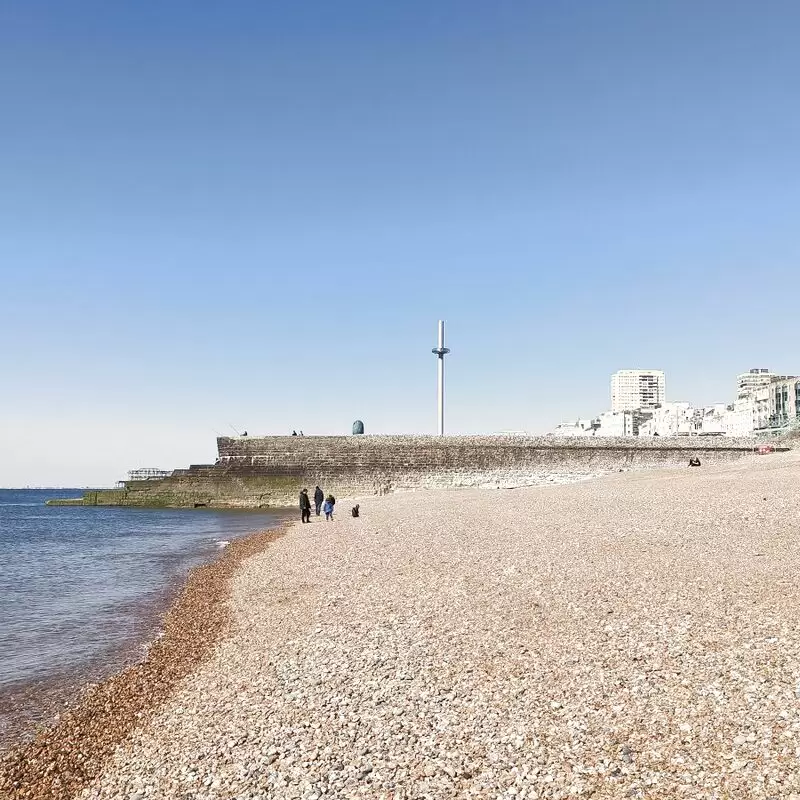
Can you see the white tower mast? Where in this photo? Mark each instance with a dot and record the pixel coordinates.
(441, 351)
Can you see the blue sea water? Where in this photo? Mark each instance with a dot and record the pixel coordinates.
(81, 588)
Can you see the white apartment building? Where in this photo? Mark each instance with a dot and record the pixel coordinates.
(581, 427)
(609, 423)
(637, 388)
(784, 401)
(751, 410)
(764, 400)
(669, 419)
(739, 421)
(683, 419)
(748, 382)
(711, 420)
(616, 423)
(754, 379)
(765, 403)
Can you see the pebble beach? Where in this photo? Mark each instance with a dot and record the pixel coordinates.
(633, 636)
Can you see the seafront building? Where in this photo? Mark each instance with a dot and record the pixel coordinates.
(581, 427)
(765, 404)
(748, 382)
(618, 423)
(784, 401)
(766, 401)
(632, 389)
(608, 423)
(669, 419)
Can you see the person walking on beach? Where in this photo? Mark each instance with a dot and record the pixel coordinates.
(328, 508)
(318, 498)
(305, 506)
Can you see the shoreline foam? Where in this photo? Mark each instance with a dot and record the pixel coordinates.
(62, 759)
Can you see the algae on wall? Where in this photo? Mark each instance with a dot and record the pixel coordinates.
(187, 492)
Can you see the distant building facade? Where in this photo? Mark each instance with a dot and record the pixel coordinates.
(669, 419)
(609, 423)
(784, 401)
(617, 423)
(766, 403)
(633, 389)
(711, 420)
(748, 382)
(581, 427)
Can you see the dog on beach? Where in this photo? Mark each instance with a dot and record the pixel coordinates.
(354, 510)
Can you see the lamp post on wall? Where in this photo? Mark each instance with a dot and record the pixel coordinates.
(441, 351)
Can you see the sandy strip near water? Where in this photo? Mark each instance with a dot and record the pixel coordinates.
(634, 636)
(67, 756)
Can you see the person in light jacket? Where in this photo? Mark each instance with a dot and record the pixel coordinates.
(328, 509)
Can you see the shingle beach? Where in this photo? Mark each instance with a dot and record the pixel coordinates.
(632, 636)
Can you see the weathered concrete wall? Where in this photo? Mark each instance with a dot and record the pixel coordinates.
(358, 465)
(426, 453)
(257, 472)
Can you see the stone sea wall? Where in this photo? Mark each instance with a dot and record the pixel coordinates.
(261, 472)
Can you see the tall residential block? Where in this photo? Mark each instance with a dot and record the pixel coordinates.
(637, 388)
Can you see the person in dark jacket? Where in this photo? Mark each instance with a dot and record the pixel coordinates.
(318, 498)
(305, 506)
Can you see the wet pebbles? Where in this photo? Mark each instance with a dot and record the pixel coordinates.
(61, 761)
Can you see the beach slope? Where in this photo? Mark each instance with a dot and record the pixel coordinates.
(633, 636)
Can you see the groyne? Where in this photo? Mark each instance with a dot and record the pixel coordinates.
(264, 472)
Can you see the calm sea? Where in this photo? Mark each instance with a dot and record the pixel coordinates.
(81, 590)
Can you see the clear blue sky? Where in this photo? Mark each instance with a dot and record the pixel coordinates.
(253, 213)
